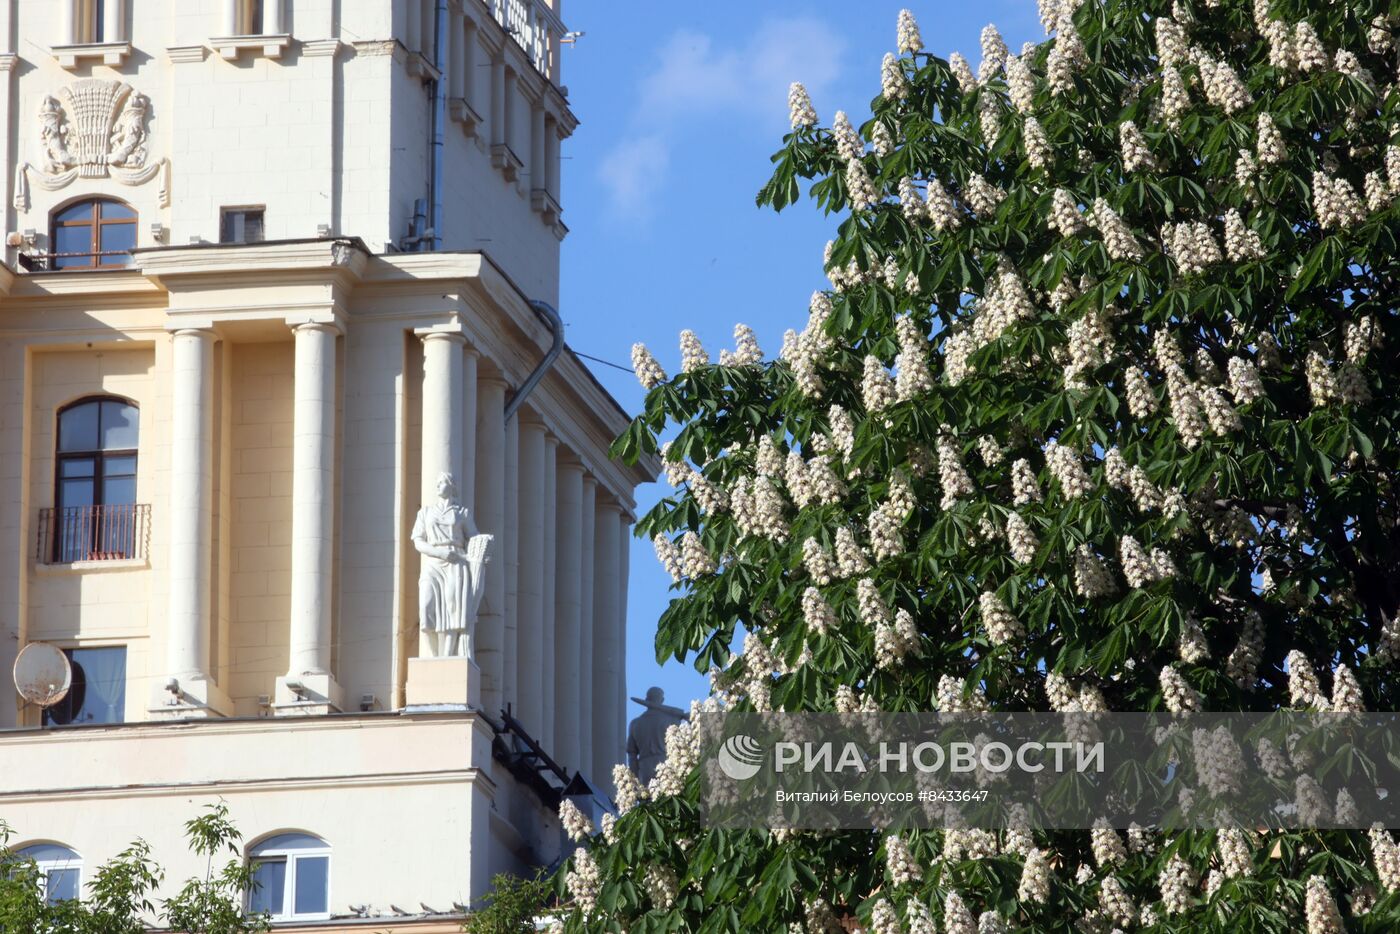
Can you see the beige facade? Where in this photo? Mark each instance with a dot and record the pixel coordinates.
(249, 262)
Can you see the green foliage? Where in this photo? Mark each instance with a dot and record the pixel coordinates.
(119, 896)
(511, 906)
(1217, 370)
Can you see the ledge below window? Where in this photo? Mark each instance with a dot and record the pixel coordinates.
(111, 53)
(270, 46)
(543, 203)
(461, 110)
(505, 159)
(92, 567)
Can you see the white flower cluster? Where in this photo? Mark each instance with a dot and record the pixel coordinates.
(1142, 401)
(899, 862)
(1066, 56)
(876, 388)
(942, 210)
(886, 535)
(1117, 236)
(630, 791)
(1176, 99)
(1361, 337)
(1038, 151)
(695, 560)
(1385, 853)
(1222, 85)
(1346, 691)
(1308, 51)
(990, 452)
(576, 823)
(1090, 346)
(801, 113)
(1322, 385)
(1177, 694)
(1107, 845)
(817, 563)
(911, 203)
(1001, 624)
(661, 885)
(994, 53)
(1378, 193)
(584, 880)
(983, 195)
(1192, 246)
(693, 354)
(951, 697)
(1035, 878)
(850, 558)
(849, 145)
(956, 917)
(912, 375)
(1020, 539)
(758, 509)
(669, 555)
(1065, 218)
(1020, 84)
(1320, 909)
(1219, 762)
(1346, 63)
(1137, 155)
(1236, 854)
(746, 349)
(882, 141)
(1242, 665)
(962, 73)
(1175, 882)
(1068, 470)
(952, 475)
(817, 613)
(1172, 45)
(1091, 577)
(919, 918)
(1269, 144)
(1220, 415)
(1025, 488)
(1242, 242)
(907, 38)
(649, 372)
(1191, 645)
(1335, 202)
(1187, 413)
(1140, 567)
(860, 190)
(884, 919)
(989, 118)
(893, 84)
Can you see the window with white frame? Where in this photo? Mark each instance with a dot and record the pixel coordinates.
(291, 878)
(60, 870)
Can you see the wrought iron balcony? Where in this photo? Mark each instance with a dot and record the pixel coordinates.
(94, 533)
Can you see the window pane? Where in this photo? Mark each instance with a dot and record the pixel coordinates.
(122, 465)
(288, 841)
(76, 240)
(73, 493)
(82, 211)
(77, 428)
(62, 885)
(252, 226)
(311, 882)
(113, 210)
(269, 884)
(118, 491)
(103, 672)
(120, 425)
(117, 238)
(71, 468)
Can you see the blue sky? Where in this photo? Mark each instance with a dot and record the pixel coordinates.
(681, 106)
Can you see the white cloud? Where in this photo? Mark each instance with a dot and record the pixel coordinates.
(695, 79)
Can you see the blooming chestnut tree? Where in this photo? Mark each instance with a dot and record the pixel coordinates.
(1098, 413)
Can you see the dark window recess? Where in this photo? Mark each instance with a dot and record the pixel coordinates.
(98, 692)
(241, 225)
(95, 516)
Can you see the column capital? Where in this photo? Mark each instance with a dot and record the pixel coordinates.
(451, 330)
(201, 332)
(330, 327)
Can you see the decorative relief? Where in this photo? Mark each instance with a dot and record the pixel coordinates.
(93, 129)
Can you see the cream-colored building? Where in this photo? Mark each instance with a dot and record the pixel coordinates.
(272, 267)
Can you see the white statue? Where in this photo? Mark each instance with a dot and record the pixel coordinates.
(453, 576)
(129, 134)
(53, 136)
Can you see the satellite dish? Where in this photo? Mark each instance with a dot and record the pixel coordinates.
(43, 674)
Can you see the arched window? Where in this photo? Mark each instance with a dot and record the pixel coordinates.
(291, 877)
(59, 870)
(95, 481)
(97, 232)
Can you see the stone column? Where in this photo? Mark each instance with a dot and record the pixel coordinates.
(413, 26)
(456, 74)
(529, 668)
(490, 518)
(272, 18)
(607, 740)
(551, 543)
(313, 515)
(113, 19)
(619, 708)
(443, 363)
(191, 504)
(510, 649)
(568, 556)
(537, 146)
(498, 101)
(230, 18)
(586, 701)
(191, 531)
(466, 480)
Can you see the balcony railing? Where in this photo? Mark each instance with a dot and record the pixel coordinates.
(94, 533)
(536, 28)
(48, 262)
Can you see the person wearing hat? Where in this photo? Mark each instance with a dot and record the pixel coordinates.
(646, 735)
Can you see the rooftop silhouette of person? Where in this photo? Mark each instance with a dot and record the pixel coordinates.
(646, 735)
